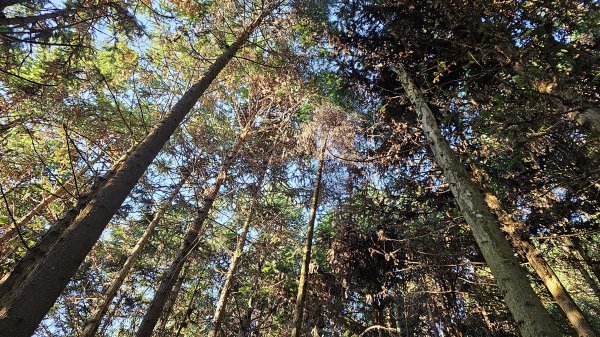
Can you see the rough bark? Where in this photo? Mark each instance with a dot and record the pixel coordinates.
(589, 117)
(93, 322)
(23, 308)
(530, 315)
(190, 242)
(306, 250)
(517, 233)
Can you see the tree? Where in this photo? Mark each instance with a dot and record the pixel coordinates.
(531, 316)
(44, 283)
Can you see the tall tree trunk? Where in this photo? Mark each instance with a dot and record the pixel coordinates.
(23, 308)
(94, 321)
(36, 254)
(530, 315)
(166, 312)
(577, 259)
(229, 277)
(306, 250)
(545, 272)
(189, 242)
(593, 265)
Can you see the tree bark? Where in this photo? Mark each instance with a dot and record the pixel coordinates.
(517, 233)
(229, 277)
(93, 322)
(530, 315)
(190, 242)
(36, 254)
(23, 308)
(306, 250)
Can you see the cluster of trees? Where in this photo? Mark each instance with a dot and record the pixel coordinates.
(305, 168)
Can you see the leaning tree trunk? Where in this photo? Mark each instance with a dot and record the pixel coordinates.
(35, 255)
(530, 315)
(229, 277)
(306, 250)
(190, 241)
(517, 232)
(578, 261)
(59, 192)
(593, 265)
(22, 309)
(94, 321)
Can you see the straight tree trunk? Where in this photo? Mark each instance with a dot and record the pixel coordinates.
(538, 263)
(94, 321)
(530, 315)
(36, 254)
(229, 277)
(189, 242)
(306, 250)
(24, 307)
(166, 312)
(517, 233)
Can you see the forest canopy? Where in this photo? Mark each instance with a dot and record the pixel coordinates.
(324, 168)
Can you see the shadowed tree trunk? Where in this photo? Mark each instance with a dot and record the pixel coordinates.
(530, 315)
(94, 321)
(306, 250)
(593, 265)
(164, 318)
(22, 309)
(577, 260)
(189, 242)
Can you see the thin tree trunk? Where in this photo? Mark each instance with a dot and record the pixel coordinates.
(530, 315)
(229, 277)
(517, 233)
(188, 311)
(556, 288)
(593, 265)
(574, 257)
(94, 321)
(164, 318)
(39, 208)
(189, 243)
(12, 232)
(306, 250)
(23, 308)
(246, 320)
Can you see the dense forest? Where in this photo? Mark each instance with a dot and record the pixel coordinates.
(322, 168)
